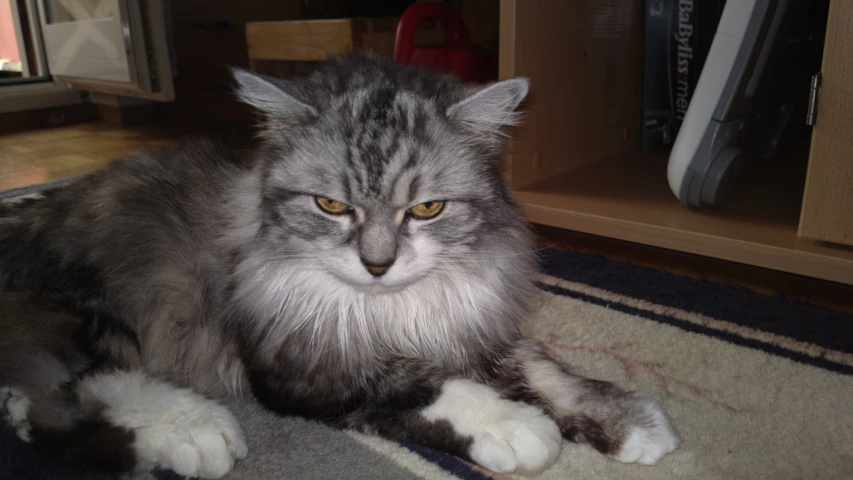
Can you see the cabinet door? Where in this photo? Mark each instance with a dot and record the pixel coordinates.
(110, 46)
(828, 201)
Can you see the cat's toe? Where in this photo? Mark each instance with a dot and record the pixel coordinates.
(233, 436)
(648, 441)
(205, 447)
(522, 446)
(215, 459)
(16, 406)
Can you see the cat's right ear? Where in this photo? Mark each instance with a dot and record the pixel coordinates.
(486, 110)
(271, 96)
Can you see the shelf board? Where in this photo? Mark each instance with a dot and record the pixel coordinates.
(627, 197)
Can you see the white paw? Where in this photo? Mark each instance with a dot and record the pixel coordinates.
(521, 443)
(175, 428)
(16, 405)
(507, 436)
(649, 442)
(205, 446)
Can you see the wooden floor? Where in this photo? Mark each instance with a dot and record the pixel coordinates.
(40, 156)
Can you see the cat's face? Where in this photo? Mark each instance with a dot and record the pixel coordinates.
(382, 219)
(379, 185)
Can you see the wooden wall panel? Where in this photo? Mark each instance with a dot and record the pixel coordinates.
(584, 60)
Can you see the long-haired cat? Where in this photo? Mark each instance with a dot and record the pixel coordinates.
(368, 268)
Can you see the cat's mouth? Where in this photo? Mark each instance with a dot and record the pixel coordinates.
(386, 284)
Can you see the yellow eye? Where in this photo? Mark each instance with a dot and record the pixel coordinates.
(332, 206)
(426, 210)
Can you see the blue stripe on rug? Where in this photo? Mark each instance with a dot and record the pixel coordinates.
(777, 315)
(694, 328)
(447, 462)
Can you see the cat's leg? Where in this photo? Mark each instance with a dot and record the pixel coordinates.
(130, 422)
(627, 426)
(459, 416)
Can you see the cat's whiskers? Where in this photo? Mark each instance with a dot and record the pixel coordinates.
(492, 255)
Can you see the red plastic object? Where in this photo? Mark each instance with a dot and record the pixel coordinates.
(457, 54)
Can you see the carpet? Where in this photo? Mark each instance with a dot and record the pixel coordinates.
(757, 387)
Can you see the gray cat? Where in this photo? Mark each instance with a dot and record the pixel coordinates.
(368, 268)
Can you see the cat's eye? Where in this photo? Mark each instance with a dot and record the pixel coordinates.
(426, 210)
(332, 206)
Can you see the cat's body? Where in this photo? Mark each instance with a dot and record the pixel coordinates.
(367, 268)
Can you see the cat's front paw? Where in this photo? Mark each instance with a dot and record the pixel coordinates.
(525, 442)
(650, 436)
(174, 428)
(506, 436)
(204, 446)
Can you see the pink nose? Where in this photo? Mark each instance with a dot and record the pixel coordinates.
(377, 270)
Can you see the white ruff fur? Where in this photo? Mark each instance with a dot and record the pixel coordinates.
(435, 318)
(507, 436)
(175, 428)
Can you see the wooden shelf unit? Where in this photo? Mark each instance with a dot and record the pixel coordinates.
(576, 162)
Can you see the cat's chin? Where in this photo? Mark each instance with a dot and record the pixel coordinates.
(378, 286)
(379, 289)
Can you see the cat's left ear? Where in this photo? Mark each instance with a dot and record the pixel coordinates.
(275, 97)
(488, 109)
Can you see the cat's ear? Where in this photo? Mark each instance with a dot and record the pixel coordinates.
(486, 110)
(272, 96)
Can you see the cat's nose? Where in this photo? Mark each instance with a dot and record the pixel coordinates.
(377, 270)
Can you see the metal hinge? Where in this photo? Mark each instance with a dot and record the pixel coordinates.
(814, 97)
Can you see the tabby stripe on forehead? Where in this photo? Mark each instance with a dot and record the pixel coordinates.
(376, 157)
(420, 123)
(413, 188)
(389, 152)
(413, 159)
(345, 181)
(401, 118)
(359, 178)
(375, 170)
(394, 147)
(409, 165)
(350, 155)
